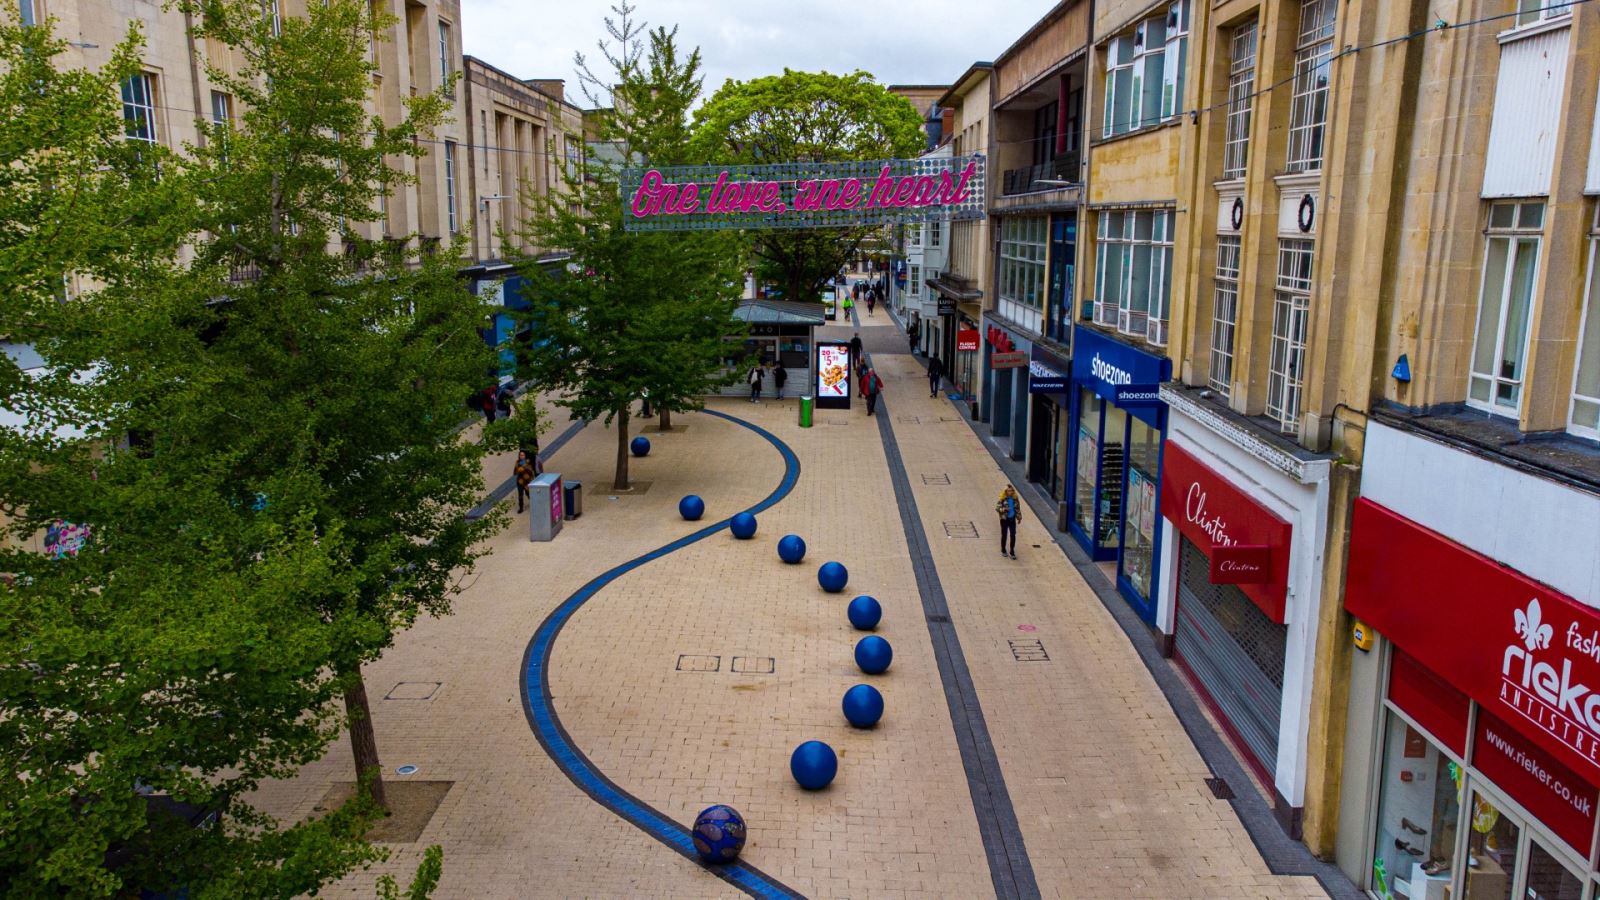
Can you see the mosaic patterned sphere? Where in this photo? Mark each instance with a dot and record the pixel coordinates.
(719, 834)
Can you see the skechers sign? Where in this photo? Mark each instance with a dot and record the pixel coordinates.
(1117, 372)
(802, 195)
(1526, 653)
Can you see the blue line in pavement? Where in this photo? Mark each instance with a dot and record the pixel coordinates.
(540, 708)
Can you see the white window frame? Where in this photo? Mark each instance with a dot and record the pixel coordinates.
(1526, 227)
(221, 108)
(1241, 99)
(28, 11)
(1532, 12)
(444, 52)
(914, 271)
(139, 119)
(1149, 66)
(275, 13)
(1586, 390)
(1224, 313)
(1313, 73)
(1291, 309)
(1133, 272)
(914, 237)
(1175, 60)
(935, 234)
(450, 185)
(1023, 279)
(1119, 71)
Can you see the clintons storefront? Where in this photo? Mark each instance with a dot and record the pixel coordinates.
(1488, 729)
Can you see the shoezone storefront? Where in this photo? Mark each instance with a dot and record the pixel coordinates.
(1243, 525)
(1118, 425)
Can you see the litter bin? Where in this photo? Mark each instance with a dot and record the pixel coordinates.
(572, 493)
(806, 403)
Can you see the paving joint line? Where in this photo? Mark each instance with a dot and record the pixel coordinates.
(1010, 869)
(539, 706)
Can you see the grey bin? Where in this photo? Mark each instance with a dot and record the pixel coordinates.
(572, 493)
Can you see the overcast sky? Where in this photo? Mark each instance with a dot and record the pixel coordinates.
(898, 41)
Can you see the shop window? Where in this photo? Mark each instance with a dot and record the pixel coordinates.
(1500, 345)
(1585, 419)
(1241, 100)
(1419, 808)
(1290, 309)
(1224, 314)
(1088, 461)
(1549, 878)
(1139, 506)
(1308, 106)
(139, 107)
(1133, 272)
(1491, 851)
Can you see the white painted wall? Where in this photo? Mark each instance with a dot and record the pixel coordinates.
(1543, 529)
(1303, 506)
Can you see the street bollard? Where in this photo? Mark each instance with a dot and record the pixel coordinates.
(806, 404)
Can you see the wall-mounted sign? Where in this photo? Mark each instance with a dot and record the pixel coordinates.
(1138, 395)
(802, 195)
(1241, 564)
(967, 339)
(1044, 379)
(1016, 359)
(947, 305)
(1103, 364)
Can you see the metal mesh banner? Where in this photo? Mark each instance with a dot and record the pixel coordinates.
(803, 195)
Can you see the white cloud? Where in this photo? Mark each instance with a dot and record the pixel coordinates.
(926, 42)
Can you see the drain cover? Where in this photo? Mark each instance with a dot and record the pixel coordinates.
(1219, 788)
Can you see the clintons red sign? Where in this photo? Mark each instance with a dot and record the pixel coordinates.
(1526, 653)
(1236, 533)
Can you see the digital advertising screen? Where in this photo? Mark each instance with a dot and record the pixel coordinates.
(833, 374)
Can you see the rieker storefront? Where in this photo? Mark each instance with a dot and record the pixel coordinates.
(1483, 720)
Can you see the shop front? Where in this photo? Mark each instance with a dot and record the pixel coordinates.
(1007, 389)
(964, 374)
(1488, 730)
(1048, 432)
(1118, 425)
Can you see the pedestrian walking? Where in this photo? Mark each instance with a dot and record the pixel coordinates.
(855, 350)
(490, 404)
(779, 376)
(874, 387)
(935, 372)
(523, 472)
(755, 383)
(872, 303)
(1010, 510)
(913, 333)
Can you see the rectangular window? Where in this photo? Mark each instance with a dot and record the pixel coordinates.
(1531, 11)
(1308, 107)
(450, 184)
(444, 52)
(935, 234)
(915, 281)
(1586, 383)
(29, 11)
(1290, 308)
(221, 108)
(1500, 345)
(1224, 313)
(1176, 58)
(1133, 272)
(139, 107)
(1241, 101)
(1023, 241)
(914, 236)
(271, 9)
(1149, 55)
(1119, 86)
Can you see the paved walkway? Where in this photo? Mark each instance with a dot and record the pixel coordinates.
(688, 680)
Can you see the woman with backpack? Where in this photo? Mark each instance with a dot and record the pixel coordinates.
(1010, 510)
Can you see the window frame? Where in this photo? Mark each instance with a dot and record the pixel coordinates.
(1588, 343)
(1149, 69)
(1291, 313)
(1224, 314)
(28, 12)
(1022, 270)
(446, 69)
(452, 219)
(1176, 58)
(914, 279)
(1533, 12)
(935, 234)
(1308, 103)
(152, 125)
(1515, 236)
(1241, 98)
(226, 108)
(1119, 67)
(1139, 290)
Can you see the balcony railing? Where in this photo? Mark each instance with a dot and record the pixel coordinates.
(1022, 181)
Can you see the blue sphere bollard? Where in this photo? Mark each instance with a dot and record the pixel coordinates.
(743, 526)
(833, 577)
(691, 507)
(640, 446)
(791, 549)
(813, 765)
(873, 654)
(864, 613)
(718, 834)
(863, 706)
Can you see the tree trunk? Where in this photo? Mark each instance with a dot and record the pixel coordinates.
(621, 481)
(363, 740)
(666, 419)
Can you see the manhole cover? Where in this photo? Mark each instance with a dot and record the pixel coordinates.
(1028, 651)
(960, 530)
(1219, 788)
(692, 662)
(413, 690)
(754, 665)
(908, 420)
(937, 478)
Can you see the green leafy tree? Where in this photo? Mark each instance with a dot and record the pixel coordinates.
(806, 117)
(635, 314)
(157, 660)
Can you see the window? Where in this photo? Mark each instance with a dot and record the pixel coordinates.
(1531, 11)
(1308, 108)
(139, 107)
(1419, 810)
(914, 236)
(1224, 313)
(271, 10)
(1176, 56)
(1500, 346)
(915, 281)
(1290, 308)
(28, 11)
(450, 184)
(1241, 87)
(1022, 271)
(1133, 272)
(935, 234)
(444, 52)
(1149, 52)
(1119, 86)
(1586, 383)
(221, 108)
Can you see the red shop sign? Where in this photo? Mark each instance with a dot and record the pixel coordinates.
(1241, 564)
(1556, 796)
(967, 339)
(1527, 654)
(1215, 515)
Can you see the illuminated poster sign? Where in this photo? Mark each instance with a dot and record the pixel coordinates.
(833, 375)
(802, 195)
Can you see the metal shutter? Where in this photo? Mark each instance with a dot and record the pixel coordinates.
(1234, 651)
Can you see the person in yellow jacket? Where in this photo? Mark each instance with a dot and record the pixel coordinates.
(1010, 510)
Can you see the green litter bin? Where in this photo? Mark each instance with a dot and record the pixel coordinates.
(806, 404)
